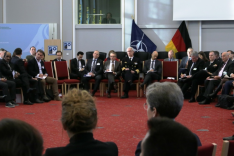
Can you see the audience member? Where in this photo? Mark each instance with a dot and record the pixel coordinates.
(93, 70)
(202, 56)
(59, 55)
(217, 56)
(184, 62)
(170, 56)
(43, 58)
(32, 52)
(130, 70)
(163, 100)
(18, 138)
(108, 58)
(152, 70)
(78, 66)
(112, 71)
(166, 138)
(79, 119)
(2, 51)
(231, 55)
(108, 19)
(37, 69)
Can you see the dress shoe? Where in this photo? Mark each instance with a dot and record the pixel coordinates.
(9, 105)
(124, 96)
(30, 89)
(231, 108)
(229, 138)
(192, 100)
(57, 98)
(3, 96)
(212, 95)
(108, 95)
(14, 103)
(115, 86)
(28, 103)
(205, 102)
(217, 105)
(38, 101)
(46, 99)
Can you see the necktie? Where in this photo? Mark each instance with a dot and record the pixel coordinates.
(9, 66)
(94, 65)
(191, 69)
(78, 63)
(112, 67)
(152, 64)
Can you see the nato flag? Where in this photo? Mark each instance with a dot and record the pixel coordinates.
(139, 41)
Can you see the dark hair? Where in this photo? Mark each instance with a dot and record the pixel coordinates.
(167, 137)
(5, 54)
(80, 53)
(109, 13)
(32, 47)
(59, 52)
(1, 49)
(230, 51)
(41, 51)
(204, 56)
(18, 138)
(18, 51)
(111, 51)
(216, 53)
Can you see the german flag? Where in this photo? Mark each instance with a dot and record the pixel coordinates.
(180, 41)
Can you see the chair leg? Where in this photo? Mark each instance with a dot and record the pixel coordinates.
(22, 95)
(62, 89)
(144, 88)
(121, 90)
(137, 88)
(118, 89)
(140, 91)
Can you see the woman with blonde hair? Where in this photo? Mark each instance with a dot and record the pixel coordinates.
(79, 119)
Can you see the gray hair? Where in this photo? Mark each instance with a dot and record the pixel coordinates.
(129, 48)
(194, 53)
(166, 97)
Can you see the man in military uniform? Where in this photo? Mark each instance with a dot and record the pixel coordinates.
(130, 70)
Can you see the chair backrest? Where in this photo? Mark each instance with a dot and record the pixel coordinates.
(162, 54)
(49, 69)
(170, 69)
(207, 150)
(62, 73)
(228, 148)
(89, 55)
(142, 55)
(181, 54)
(121, 54)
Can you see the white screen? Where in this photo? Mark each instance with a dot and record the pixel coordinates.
(194, 10)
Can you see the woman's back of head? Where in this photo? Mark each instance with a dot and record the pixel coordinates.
(18, 138)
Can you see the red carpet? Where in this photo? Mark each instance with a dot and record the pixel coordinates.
(123, 121)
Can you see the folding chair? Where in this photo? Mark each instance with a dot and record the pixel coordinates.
(207, 150)
(228, 148)
(170, 69)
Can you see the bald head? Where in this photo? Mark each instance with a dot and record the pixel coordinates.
(170, 54)
(154, 55)
(225, 56)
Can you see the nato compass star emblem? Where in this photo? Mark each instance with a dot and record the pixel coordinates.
(139, 45)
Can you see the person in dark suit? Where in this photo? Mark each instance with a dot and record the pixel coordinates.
(79, 119)
(108, 19)
(152, 70)
(37, 70)
(93, 70)
(77, 66)
(130, 70)
(231, 55)
(226, 68)
(59, 55)
(112, 71)
(9, 72)
(184, 62)
(199, 78)
(170, 56)
(217, 56)
(194, 65)
(32, 52)
(163, 100)
(8, 90)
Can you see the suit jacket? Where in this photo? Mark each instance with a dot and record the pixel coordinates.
(83, 144)
(18, 64)
(57, 60)
(33, 68)
(212, 67)
(134, 65)
(183, 62)
(219, 59)
(74, 67)
(199, 65)
(5, 69)
(229, 68)
(98, 68)
(117, 67)
(173, 59)
(157, 67)
(105, 21)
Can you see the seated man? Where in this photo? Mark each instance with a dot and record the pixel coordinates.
(166, 137)
(152, 69)
(77, 66)
(163, 100)
(37, 69)
(59, 56)
(8, 90)
(194, 66)
(93, 70)
(32, 52)
(130, 70)
(170, 56)
(20, 78)
(108, 19)
(112, 71)
(226, 68)
(217, 56)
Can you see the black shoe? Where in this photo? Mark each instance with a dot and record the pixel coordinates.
(124, 96)
(231, 108)
(115, 91)
(205, 102)
(229, 138)
(3, 96)
(192, 100)
(108, 95)
(212, 95)
(230, 99)
(217, 105)
(28, 103)
(14, 103)
(30, 89)
(9, 105)
(38, 101)
(46, 99)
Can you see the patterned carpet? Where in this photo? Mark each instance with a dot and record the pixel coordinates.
(123, 121)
